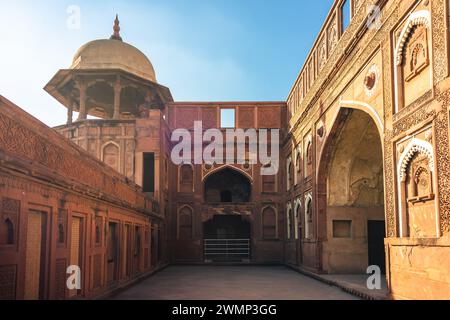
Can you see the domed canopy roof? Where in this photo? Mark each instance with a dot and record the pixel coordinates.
(109, 79)
(114, 54)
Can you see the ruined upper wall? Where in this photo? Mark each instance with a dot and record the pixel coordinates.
(267, 115)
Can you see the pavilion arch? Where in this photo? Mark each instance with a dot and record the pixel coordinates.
(349, 203)
(415, 147)
(101, 94)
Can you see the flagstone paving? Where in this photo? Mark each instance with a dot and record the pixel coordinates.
(231, 283)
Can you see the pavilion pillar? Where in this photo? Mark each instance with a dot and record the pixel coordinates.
(117, 93)
(70, 114)
(83, 112)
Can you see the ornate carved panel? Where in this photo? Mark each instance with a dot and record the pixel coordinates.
(312, 71)
(332, 33)
(322, 54)
(439, 31)
(60, 279)
(9, 223)
(420, 198)
(416, 54)
(8, 280)
(357, 4)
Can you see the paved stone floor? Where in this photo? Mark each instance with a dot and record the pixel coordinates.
(231, 283)
(359, 283)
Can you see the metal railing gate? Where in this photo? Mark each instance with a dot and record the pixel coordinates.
(227, 250)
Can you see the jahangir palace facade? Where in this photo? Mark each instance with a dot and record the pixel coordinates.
(363, 180)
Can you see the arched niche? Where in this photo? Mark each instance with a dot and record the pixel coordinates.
(417, 206)
(111, 155)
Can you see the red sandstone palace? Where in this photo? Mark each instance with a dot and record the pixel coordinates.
(363, 180)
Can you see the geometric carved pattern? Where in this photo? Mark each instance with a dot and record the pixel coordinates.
(60, 276)
(9, 219)
(443, 163)
(22, 141)
(439, 39)
(7, 282)
(322, 54)
(332, 35)
(10, 206)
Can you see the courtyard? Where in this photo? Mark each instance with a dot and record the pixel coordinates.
(231, 283)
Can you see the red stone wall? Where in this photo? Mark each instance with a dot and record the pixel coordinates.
(46, 182)
(248, 115)
(419, 268)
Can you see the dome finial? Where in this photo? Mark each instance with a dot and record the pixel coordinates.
(116, 28)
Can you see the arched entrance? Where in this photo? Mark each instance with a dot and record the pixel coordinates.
(227, 239)
(227, 235)
(351, 195)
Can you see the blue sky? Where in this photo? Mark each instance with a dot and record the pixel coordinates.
(203, 50)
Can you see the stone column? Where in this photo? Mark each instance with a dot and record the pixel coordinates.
(83, 112)
(117, 92)
(70, 115)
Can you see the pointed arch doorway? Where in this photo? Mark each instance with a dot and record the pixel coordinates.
(350, 197)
